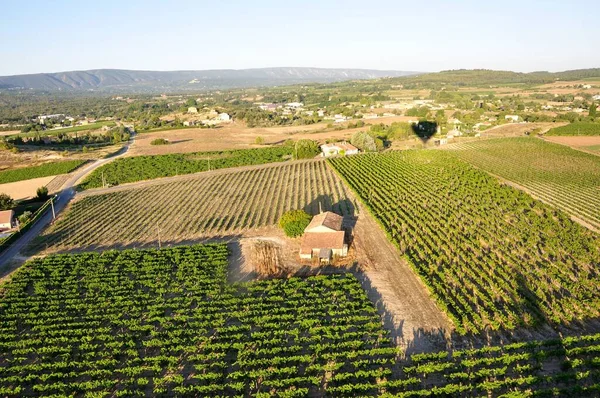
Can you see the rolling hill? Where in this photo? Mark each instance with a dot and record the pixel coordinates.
(134, 80)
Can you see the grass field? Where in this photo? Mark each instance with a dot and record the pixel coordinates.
(558, 175)
(576, 129)
(138, 168)
(492, 257)
(166, 323)
(44, 170)
(210, 204)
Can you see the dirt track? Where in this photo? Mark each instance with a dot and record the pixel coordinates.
(416, 322)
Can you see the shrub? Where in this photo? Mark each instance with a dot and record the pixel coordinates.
(25, 217)
(42, 193)
(294, 222)
(259, 140)
(160, 141)
(306, 149)
(6, 202)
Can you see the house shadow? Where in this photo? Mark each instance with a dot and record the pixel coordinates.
(322, 203)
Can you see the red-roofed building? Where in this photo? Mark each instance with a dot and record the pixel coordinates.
(324, 238)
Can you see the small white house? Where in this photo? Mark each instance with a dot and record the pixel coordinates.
(6, 220)
(224, 117)
(339, 148)
(512, 118)
(192, 109)
(294, 105)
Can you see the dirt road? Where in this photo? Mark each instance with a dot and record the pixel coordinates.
(402, 299)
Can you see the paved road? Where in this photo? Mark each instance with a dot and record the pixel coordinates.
(62, 199)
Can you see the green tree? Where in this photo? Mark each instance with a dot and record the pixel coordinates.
(593, 109)
(306, 149)
(294, 222)
(6, 202)
(259, 140)
(25, 217)
(42, 193)
(190, 102)
(363, 141)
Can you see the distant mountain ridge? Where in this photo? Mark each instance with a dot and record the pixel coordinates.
(137, 80)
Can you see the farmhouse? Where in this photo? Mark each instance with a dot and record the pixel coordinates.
(6, 220)
(340, 148)
(192, 109)
(324, 238)
(512, 118)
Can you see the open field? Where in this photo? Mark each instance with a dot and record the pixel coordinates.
(238, 136)
(165, 322)
(519, 129)
(204, 205)
(25, 189)
(582, 143)
(492, 257)
(558, 175)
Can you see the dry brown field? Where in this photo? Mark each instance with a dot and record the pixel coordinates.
(238, 136)
(24, 189)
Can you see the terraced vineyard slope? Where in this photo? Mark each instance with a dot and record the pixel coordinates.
(558, 175)
(492, 256)
(164, 323)
(205, 205)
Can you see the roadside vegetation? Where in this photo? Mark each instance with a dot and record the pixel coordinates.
(44, 170)
(493, 257)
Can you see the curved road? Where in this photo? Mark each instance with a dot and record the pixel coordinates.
(62, 199)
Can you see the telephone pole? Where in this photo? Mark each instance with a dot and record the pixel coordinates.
(158, 231)
(53, 212)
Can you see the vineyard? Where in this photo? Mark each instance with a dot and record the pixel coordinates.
(558, 175)
(138, 168)
(44, 170)
(576, 129)
(493, 257)
(204, 205)
(165, 323)
(150, 322)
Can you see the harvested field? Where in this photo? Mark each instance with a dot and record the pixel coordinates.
(582, 143)
(237, 136)
(26, 188)
(206, 205)
(519, 129)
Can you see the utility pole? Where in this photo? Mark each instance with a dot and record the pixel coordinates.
(103, 181)
(158, 230)
(52, 205)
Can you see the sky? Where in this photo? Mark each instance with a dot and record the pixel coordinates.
(425, 36)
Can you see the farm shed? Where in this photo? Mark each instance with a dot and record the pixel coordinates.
(6, 220)
(324, 238)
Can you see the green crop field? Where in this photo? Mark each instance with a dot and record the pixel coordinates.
(150, 322)
(576, 129)
(558, 175)
(44, 170)
(132, 169)
(166, 323)
(492, 256)
(203, 205)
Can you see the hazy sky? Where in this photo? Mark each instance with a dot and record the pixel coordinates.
(52, 36)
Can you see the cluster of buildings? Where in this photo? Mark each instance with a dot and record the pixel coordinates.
(211, 118)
